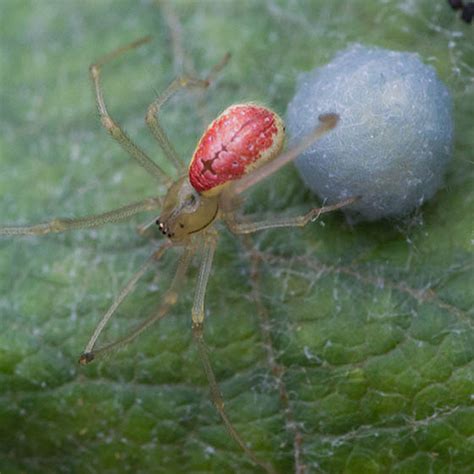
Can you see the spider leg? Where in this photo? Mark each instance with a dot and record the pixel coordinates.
(245, 227)
(63, 225)
(179, 83)
(326, 123)
(108, 122)
(198, 336)
(126, 290)
(169, 299)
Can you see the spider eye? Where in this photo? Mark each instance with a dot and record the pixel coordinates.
(190, 199)
(190, 202)
(161, 226)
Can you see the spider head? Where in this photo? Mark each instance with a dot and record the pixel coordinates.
(185, 211)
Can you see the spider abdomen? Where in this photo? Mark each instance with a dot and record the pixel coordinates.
(242, 138)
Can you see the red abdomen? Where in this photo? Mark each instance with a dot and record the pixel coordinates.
(242, 138)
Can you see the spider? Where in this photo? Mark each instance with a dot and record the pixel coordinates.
(241, 147)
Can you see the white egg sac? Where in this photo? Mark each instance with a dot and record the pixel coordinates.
(394, 139)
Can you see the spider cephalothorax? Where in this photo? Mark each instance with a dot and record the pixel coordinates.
(185, 211)
(239, 149)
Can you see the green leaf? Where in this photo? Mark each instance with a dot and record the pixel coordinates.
(347, 350)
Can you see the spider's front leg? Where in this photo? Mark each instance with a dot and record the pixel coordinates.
(182, 82)
(198, 336)
(111, 125)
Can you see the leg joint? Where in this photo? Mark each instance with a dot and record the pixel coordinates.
(110, 125)
(58, 225)
(171, 297)
(197, 317)
(150, 114)
(94, 71)
(198, 328)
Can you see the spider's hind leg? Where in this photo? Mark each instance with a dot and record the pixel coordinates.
(198, 336)
(248, 226)
(167, 302)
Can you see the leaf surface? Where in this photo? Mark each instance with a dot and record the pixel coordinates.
(345, 350)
